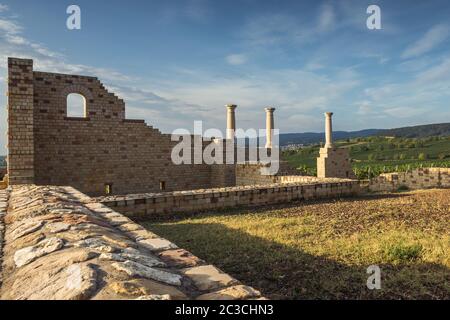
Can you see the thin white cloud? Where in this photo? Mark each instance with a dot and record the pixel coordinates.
(291, 91)
(436, 74)
(9, 26)
(414, 101)
(141, 103)
(326, 17)
(236, 59)
(3, 7)
(405, 112)
(431, 39)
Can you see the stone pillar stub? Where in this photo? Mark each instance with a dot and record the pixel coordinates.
(269, 126)
(333, 162)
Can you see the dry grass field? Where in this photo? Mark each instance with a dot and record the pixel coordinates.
(321, 250)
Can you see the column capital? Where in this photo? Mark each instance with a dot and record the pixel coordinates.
(231, 107)
(328, 114)
(269, 109)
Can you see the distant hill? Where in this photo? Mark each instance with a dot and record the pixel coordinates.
(422, 131)
(316, 137)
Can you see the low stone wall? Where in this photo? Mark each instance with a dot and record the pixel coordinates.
(422, 178)
(250, 174)
(151, 205)
(61, 245)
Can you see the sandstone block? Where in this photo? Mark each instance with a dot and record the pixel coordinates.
(157, 244)
(135, 269)
(208, 277)
(29, 254)
(238, 292)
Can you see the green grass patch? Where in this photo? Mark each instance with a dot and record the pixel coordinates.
(402, 188)
(403, 253)
(372, 156)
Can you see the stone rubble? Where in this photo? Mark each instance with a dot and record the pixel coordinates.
(57, 243)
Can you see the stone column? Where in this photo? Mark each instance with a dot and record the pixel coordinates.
(328, 130)
(269, 126)
(231, 120)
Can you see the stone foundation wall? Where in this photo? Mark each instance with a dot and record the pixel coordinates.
(59, 245)
(153, 205)
(415, 179)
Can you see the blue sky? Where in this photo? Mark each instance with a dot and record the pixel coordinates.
(178, 61)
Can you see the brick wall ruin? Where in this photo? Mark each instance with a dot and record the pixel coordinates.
(89, 153)
(422, 178)
(102, 152)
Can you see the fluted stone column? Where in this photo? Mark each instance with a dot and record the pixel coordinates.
(269, 126)
(231, 120)
(328, 130)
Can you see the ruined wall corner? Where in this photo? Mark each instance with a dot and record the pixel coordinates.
(20, 158)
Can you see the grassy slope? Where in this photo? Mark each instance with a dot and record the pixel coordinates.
(322, 249)
(380, 152)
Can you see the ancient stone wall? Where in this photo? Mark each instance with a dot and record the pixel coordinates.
(250, 174)
(334, 162)
(151, 205)
(20, 121)
(61, 245)
(415, 179)
(92, 152)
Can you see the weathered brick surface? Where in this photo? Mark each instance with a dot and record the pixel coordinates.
(20, 121)
(415, 179)
(250, 174)
(47, 147)
(148, 205)
(334, 163)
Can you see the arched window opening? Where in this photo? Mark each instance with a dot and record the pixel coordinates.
(76, 106)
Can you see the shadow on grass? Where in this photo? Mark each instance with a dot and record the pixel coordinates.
(283, 272)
